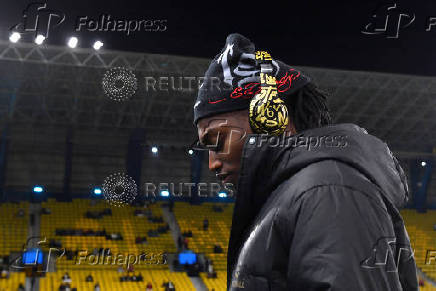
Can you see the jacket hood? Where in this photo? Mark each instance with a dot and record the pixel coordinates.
(268, 161)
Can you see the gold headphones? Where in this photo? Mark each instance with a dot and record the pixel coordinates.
(268, 113)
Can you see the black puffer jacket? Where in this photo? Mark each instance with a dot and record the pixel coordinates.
(324, 218)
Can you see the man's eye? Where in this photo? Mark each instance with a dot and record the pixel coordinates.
(211, 143)
(212, 146)
(218, 145)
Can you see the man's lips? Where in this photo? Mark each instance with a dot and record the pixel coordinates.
(222, 176)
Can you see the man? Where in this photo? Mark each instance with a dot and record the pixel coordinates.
(316, 208)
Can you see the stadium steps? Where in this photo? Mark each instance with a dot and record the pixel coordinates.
(34, 231)
(170, 218)
(172, 222)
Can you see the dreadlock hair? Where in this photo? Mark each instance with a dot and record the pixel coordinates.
(307, 108)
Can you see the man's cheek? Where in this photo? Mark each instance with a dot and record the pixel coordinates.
(236, 153)
(232, 148)
(235, 140)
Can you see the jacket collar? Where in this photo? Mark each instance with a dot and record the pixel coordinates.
(254, 186)
(264, 166)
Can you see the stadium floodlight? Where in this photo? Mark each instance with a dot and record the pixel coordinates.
(14, 37)
(154, 150)
(38, 189)
(39, 39)
(97, 45)
(222, 194)
(72, 42)
(164, 193)
(97, 191)
(191, 152)
(423, 164)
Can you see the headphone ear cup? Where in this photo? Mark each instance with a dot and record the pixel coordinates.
(268, 115)
(267, 112)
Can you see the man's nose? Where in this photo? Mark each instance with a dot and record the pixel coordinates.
(214, 163)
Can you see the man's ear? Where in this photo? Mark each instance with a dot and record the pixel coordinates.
(291, 128)
(243, 120)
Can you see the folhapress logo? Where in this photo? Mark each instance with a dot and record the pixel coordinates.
(388, 254)
(34, 256)
(39, 19)
(388, 20)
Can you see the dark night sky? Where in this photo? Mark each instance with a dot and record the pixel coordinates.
(306, 33)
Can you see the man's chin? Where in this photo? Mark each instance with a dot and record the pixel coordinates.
(231, 188)
(230, 181)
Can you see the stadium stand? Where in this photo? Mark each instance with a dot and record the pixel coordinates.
(190, 218)
(14, 280)
(109, 280)
(14, 220)
(422, 238)
(218, 283)
(427, 287)
(422, 233)
(122, 221)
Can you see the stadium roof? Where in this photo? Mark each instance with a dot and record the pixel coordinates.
(61, 86)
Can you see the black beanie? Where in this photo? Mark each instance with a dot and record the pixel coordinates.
(232, 79)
